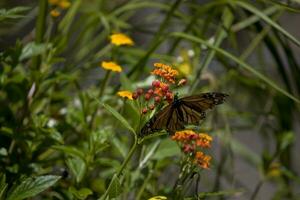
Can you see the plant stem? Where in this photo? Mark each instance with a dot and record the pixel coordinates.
(101, 92)
(221, 34)
(140, 193)
(128, 157)
(40, 30)
(124, 164)
(156, 40)
(256, 190)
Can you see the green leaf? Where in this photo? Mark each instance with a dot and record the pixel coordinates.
(114, 189)
(238, 61)
(33, 49)
(121, 147)
(70, 150)
(268, 20)
(167, 148)
(32, 186)
(13, 13)
(3, 186)
(66, 23)
(83, 193)
(286, 139)
(78, 168)
(227, 18)
(3, 152)
(55, 135)
(150, 151)
(123, 121)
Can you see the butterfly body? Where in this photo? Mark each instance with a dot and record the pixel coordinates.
(177, 102)
(188, 110)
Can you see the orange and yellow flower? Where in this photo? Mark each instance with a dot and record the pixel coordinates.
(119, 39)
(184, 136)
(165, 71)
(202, 160)
(125, 94)
(204, 140)
(191, 142)
(108, 65)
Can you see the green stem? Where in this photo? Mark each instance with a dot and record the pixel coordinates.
(132, 150)
(140, 193)
(40, 30)
(189, 26)
(104, 83)
(157, 39)
(101, 92)
(221, 34)
(256, 190)
(124, 164)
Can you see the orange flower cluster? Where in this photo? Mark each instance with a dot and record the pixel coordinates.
(161, 89)
(191, 142)
(165, 71)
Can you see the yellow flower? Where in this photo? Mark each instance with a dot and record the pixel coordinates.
(111, 66)
(64, 4)
(274, 170)
(125, 94)
(158, 198)
(119, 39)
(185, 68)
(184, 62)
(54, 13)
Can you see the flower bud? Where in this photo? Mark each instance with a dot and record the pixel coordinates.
(157, 99)
(187, 148)
(135, 95)
(151, 107)
(150, 91)
(182, 82)
(169, 96)
(145, 110)
(164, 87)
(156, 83)
(139, 91)
(147, 96)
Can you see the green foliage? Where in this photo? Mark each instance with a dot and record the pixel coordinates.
(29, 187)
(66, 134)
(83, 193)
(13, 13)
(114, 187)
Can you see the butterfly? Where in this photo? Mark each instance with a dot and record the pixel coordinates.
(181, 112)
